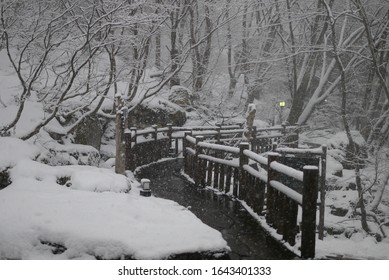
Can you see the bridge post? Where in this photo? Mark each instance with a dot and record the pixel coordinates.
(156, 150)
(128, 157)
(198, 166)
(308, 224)
(271, 193)
(283, 130)
(254, 139)
(243, 160)
(133, 130)
(322, 190)
(170, 136)
(218, 135)
(134, 153)
(185, 153)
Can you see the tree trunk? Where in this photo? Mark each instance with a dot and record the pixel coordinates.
(120, 161)
(302, 89)
(231, 72)
(175, 80)
(177, 22)
(158, 40)
(200, 56)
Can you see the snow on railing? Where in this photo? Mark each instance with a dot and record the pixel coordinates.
(226, 162)
(258, 158)
(262, 175)
(287, 191)
(267, 185)
(286, 170)
(314, 151)
(219, 147)
(319, 153)
(252, 178)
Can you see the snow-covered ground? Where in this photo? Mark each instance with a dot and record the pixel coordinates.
(84, 212)
(81, 212)
(337, 247)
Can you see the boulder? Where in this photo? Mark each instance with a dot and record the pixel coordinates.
(89, 132)
(181, 96)
(161, 115)
(340, 148)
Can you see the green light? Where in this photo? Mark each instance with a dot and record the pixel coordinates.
(282, 103)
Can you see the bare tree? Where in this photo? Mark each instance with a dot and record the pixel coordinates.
(201, 53)
(337, 50)
(52, 54)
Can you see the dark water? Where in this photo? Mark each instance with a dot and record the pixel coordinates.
(242, 232)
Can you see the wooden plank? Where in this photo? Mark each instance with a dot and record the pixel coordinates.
(222, 179)
(209, 173)
(228, 179)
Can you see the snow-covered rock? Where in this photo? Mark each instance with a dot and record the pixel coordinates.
(181, 96)
(341, 150)
(157, 111)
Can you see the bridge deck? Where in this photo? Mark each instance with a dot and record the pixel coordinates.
(243, 233)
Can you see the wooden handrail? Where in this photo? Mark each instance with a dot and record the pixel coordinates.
(241, 172)
(256, 180)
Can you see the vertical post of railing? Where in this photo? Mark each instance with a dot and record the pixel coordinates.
(134, 153)
(243, 160)
(127, 151)
(185, 152)
(156, 150)
(218, 135)
(155, 132)
(133, 130)
(187, 157)
(197, 164)
(270, 195)
(283, 131)
(254, 139)
(322, 190)
(308, 223)
(170, 136)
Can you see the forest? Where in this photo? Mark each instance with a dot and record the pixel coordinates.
(78, 73)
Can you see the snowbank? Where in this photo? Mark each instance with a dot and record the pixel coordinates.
(13, 149)
(38, 213)
(78, 212)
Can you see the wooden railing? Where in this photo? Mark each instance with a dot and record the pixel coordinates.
(216, 156)
(297, 158)
(267, 185)
(148, 145)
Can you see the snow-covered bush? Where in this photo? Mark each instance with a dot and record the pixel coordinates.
(64, 152)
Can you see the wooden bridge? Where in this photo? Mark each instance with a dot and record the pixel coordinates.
(268, 171)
